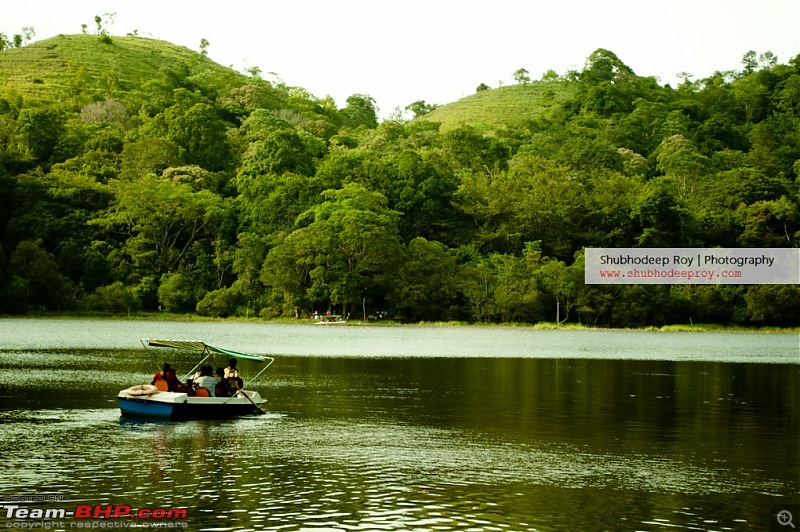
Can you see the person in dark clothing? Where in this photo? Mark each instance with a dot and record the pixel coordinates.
(167, 374)
(223, 388)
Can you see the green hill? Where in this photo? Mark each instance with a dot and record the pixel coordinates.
(73, 70)
(76, 68)
(494, 108)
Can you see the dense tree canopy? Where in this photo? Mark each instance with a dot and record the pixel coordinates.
(246, 197)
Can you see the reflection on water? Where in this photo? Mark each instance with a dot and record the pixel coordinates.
(424, 443)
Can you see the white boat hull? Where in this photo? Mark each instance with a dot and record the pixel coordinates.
(177, 405)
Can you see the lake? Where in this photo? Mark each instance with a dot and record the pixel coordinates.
(408, 428)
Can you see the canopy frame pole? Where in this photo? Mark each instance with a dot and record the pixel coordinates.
(208, 354)
(271, 360)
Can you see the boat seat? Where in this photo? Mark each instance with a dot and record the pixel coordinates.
(162, 385)
(202, 392)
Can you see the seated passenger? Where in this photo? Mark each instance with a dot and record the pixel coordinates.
(173, 383)
(197, 375)
(160, 374)
(206, 380)
(232, 375)
(223, 389)
(167, 374)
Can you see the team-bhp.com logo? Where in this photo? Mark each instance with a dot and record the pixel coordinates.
(23, 515)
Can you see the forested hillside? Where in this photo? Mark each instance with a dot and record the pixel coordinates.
(137, 176)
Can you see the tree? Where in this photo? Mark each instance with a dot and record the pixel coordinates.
(204, 47)
(345, 248)
(270, 203)
(426, 286)
(662, 217)
(254, 72)
(536, 199)
(221, 303)
(774, 304)
(198, 132)
(160, 221)
(608, 219)
(147, 155)
(105, 22)
(642, 129)
(563, 283)
(286, 271)
(35, 272)
(522, 76)
(115, 297)
(752, 62)
(550, 75)
(176, 293)
(749, 62)
(361, 110)
(466, 148)
(420, 108)
(608, 86)
(250, 97)
(103, 25)
(516, 295)
(774, 223)
(281, 150)
(28, 33)
(680, 160)
(40, 129)
(477, 281)
(260, 123)
(248, 259)
(18, 40)
(109, 111)
(23, 38)
(423, 193)
(587, 155)
(604, 66)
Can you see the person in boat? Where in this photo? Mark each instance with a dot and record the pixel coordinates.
(206, 380)
(223, 388)
(167, 374)
(191, 380)
(232, 375)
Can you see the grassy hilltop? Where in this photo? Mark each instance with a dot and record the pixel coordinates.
(63, 68)
(77, 69)
(493, 108)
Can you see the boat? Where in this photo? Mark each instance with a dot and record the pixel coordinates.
(156, 401)
(331, 319)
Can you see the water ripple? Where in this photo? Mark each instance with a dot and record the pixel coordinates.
(274, 473)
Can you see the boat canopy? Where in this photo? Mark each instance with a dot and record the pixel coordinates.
(203, 347)
(208, 351)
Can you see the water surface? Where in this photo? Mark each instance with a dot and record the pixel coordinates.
(409, 341)
(408, 428)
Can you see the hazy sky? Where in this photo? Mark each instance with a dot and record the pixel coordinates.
(438, 51)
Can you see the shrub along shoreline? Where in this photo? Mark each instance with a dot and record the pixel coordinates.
(550, 326)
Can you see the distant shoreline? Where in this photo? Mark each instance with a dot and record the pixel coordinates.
(169, 317)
